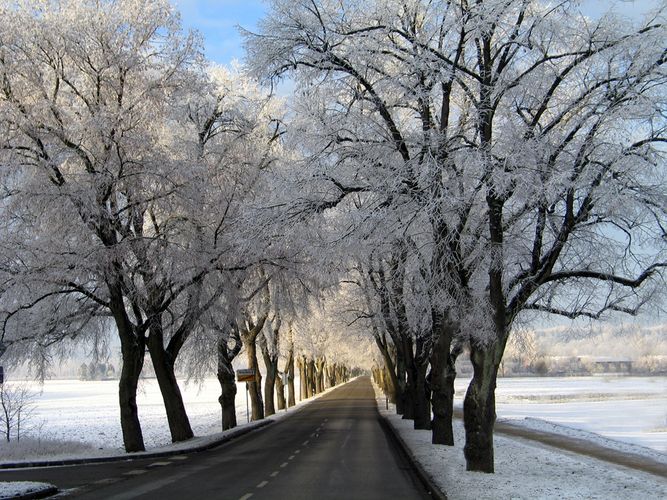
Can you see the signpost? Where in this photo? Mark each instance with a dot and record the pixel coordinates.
(2, 375)
(246, 375)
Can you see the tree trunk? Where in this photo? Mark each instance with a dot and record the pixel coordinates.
(479, 409)
(410, 394)
(289, 368)
(442, 376)
(310, 376)
(132, 351)
(179, 424)
(422, 396)
(271, 364)
(255, 386)
(227, 382)
(401, 385)
(280, 392)
(319, 377)
(133, 362)
(303, 379)
(331, 377)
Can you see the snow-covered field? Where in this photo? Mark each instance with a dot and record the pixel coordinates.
(628, 409)
(87, 412)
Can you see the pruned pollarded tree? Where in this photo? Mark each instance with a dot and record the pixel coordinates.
(527, 135)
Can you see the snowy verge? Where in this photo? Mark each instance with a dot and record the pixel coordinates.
(524, 470)
(538, 424)
(26, 489)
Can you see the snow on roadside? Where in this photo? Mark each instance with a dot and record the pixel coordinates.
(15, 489)
(524, 470)
(538, 424)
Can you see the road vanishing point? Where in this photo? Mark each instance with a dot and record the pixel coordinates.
(333, 448)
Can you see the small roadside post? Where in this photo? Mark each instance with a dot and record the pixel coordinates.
(246, 375)
(2, 375)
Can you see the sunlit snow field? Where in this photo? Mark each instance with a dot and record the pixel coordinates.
(630, 409)
(88, 411)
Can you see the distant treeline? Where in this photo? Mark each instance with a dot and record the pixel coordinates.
(96, 371)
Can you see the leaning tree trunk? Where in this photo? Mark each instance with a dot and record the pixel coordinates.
(442, 375)
(132, 350)
(179, 424)
(289, 369)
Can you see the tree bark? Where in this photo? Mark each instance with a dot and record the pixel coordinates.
(227, 381)
(255, 386)
(319, 377)
(310, 376)
(289, 368)
(479, 410)
(179, 424)
(442, 375)
(280, 392)
(132, 350)
(133, 361)
(303, 379)
(271, 364)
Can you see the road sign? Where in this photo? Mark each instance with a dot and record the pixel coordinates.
(245, 375)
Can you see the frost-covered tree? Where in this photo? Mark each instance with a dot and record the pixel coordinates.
(125, 161)
(520, 143)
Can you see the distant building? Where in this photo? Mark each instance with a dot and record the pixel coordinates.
(606, 364)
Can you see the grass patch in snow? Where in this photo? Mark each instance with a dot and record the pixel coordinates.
(31, 449)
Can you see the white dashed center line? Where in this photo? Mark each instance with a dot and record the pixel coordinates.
(262, 484)
(284, 464)
(305, 443)
(275, 473)
(135, 472)
(246, 496)
(290, 457)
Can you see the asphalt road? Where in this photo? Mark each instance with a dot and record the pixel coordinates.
(332, 448)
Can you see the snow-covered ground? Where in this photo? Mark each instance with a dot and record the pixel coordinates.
(628, 409)
(87, 413)
(530, 470)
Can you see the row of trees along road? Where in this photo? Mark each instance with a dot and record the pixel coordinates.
(135, 182)
(447, 168)
(490, 160)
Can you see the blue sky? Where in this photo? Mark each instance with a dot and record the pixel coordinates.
(217, 20)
